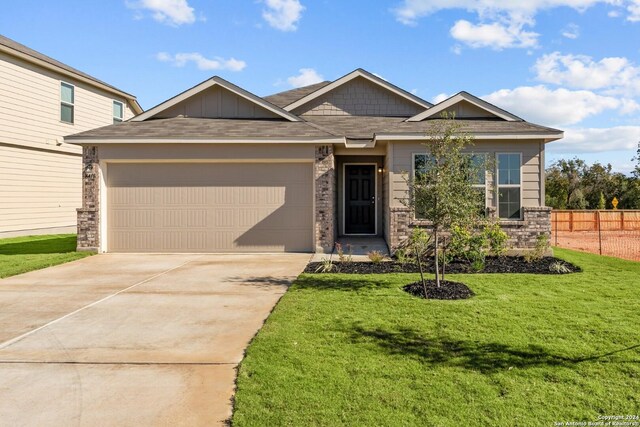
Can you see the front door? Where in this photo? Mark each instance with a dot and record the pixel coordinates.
(359, 199)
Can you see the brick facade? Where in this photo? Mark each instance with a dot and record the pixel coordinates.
(325, 198)
(89, 213)
(522, 235)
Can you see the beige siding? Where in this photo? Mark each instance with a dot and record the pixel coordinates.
(359, 97)
(219, 207)
(206, 152)
(38, 189)
(401, 154)
(30, 103)
(215, 103)
(465, 109)
(40, 177)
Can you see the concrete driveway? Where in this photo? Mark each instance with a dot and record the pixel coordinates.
(133, 340)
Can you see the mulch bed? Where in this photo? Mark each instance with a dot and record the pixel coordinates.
(448, 290)
(503, 264)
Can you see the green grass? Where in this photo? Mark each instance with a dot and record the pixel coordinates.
(527, 350)
(21, 254)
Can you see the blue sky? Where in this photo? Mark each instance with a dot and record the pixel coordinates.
(570, 64)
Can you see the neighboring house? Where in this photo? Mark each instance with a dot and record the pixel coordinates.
(218, 169)
(42, 100)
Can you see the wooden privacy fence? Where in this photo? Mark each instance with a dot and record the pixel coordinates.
(607, 232)
(595, 220)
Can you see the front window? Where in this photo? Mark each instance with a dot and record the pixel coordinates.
(118, 111)
(509, 185)
(67, 99)
(477, 164)
(479, 177)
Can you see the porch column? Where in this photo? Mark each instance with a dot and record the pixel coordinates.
(89, 214)
(325, 198)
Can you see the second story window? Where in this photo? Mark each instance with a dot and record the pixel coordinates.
(118, 111)
(67, 102)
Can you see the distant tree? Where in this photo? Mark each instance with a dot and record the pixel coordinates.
(577, 200)
(602, 203)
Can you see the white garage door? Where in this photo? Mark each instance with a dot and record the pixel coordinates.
(209, 207)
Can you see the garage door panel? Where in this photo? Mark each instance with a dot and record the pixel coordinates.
(209, 207)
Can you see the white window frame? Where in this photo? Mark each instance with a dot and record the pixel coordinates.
(486, 177)
(498, 186)
(117, 119)
(71, 104)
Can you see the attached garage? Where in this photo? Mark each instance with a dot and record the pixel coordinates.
(209, 207)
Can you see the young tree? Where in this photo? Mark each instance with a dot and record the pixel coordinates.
(441, 190)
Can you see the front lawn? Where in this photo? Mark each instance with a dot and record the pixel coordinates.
(527, 350)
(21, 254)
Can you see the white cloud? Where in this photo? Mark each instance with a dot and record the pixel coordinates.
(634, 11)
(594, 140)
(170, 12)
(181, 59)
(616, 74)
(504, 22)
(307, 76)
(283, 14)
(559, 107)
(496, 35)
(439, 98)
(571, 31)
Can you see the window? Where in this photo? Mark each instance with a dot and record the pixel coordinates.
(479, 180)
(477, 162)
(509, 186)
(118, 111)
(66, 102)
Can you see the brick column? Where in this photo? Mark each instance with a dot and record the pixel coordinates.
(325, 185)
(89, 213)
(399, 223)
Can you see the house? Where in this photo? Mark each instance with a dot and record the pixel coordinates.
(42, 100)
(219, 169)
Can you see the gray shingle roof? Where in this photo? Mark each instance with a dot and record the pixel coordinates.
(196, 128)
(475, 127)
(361, 127)
(356, 127)
(282, 99)
(12, 44)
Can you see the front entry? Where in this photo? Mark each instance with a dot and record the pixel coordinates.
(359, 199)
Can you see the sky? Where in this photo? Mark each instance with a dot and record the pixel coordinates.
(568, 64)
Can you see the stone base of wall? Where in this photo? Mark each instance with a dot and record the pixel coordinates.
(88, 239)
(522, 235)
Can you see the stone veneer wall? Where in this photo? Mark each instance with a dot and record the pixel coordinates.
(325, 186)
(522, 235)
(89, 213)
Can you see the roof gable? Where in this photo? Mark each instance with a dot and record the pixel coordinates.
(282, 99)
(217, 98)
(349, 94)
(465, 105)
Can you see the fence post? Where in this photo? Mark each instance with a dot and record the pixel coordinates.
(599, 232)
(622, 220)
(570, 220)
(555, 218)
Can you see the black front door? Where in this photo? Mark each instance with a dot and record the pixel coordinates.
(360, 199)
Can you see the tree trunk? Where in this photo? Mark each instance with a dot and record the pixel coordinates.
(424, 284)
(444, 256)
(436, 251)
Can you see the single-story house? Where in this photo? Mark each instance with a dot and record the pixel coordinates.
(219, 169)
(42, 100)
